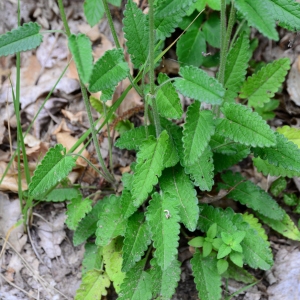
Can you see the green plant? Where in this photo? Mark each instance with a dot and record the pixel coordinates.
(176, 164)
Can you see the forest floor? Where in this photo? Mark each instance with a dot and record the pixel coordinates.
(41, 262)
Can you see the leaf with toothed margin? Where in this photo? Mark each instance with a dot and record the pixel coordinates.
(163, 219)
(197, 84)
(150, 163)
(244, 126)
(175, 182)
(198, 129)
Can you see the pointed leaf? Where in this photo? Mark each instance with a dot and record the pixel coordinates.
(198, 129)
(244, 126)
(162, 216)
(76, 211)
(137, 284)
(263, 85)
(266, 168)
(111, 222)
(167, 99)
(190, 46)
(168, 7)
(88, 225)
(93, 286)
(286, 226)
(164, 282)
(127, 204)
(81, 49)
(285, 11)
(207, 279)
(149, 166)
(251, 195)
(254, 223)
(258, 15)
(133, 139)
(136, 31)
(54, 167)
(198, 85)
(202, 171)
(284, 154)
(175, 182)
(108, 71)
(62, 194)
(23, 38)
(137, 239)
(93, 11)
(236, 67)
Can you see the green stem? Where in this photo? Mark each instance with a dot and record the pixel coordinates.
(116, 40)
(152, 66)
(109, 140)
(108, 176)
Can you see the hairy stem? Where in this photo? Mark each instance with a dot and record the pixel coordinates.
(151, 68)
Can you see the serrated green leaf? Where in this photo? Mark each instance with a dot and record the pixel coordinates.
(163, 219)
(190, 46)
(198, 85)
(136, 241)
(115, 2)
(23, 38)
(167, 99)
(251, 195)
(108, 71)
(127, 204)
(257, 252)
(278, 186)
(175, 182)
(93, 286)
(150, 163)
(254, 223)
(93, 11)
(214, 4)
(171, 155)
(136, 31)
(285, 11)
(81, 49)
(112, 258)
(211, 30)
(284, 154)
(137, 284)
(164, 282)
(198, 129)
(111, 222)
(98, 105)
(62, 194)
(236, 67)
(266, 168)
(92, 258)
(76, 211)
(286, 226)
(258, 15)
(202, 170)
(54, 167)
(166, 24)
(291, 133)
(263, 85)
(244, 126)
(133, 139)
(207, 279)
(88, 225)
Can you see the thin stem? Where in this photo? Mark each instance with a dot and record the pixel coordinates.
(223, 39)
(109, 140)
(107, 176)
(152, 66)
(64, 17)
